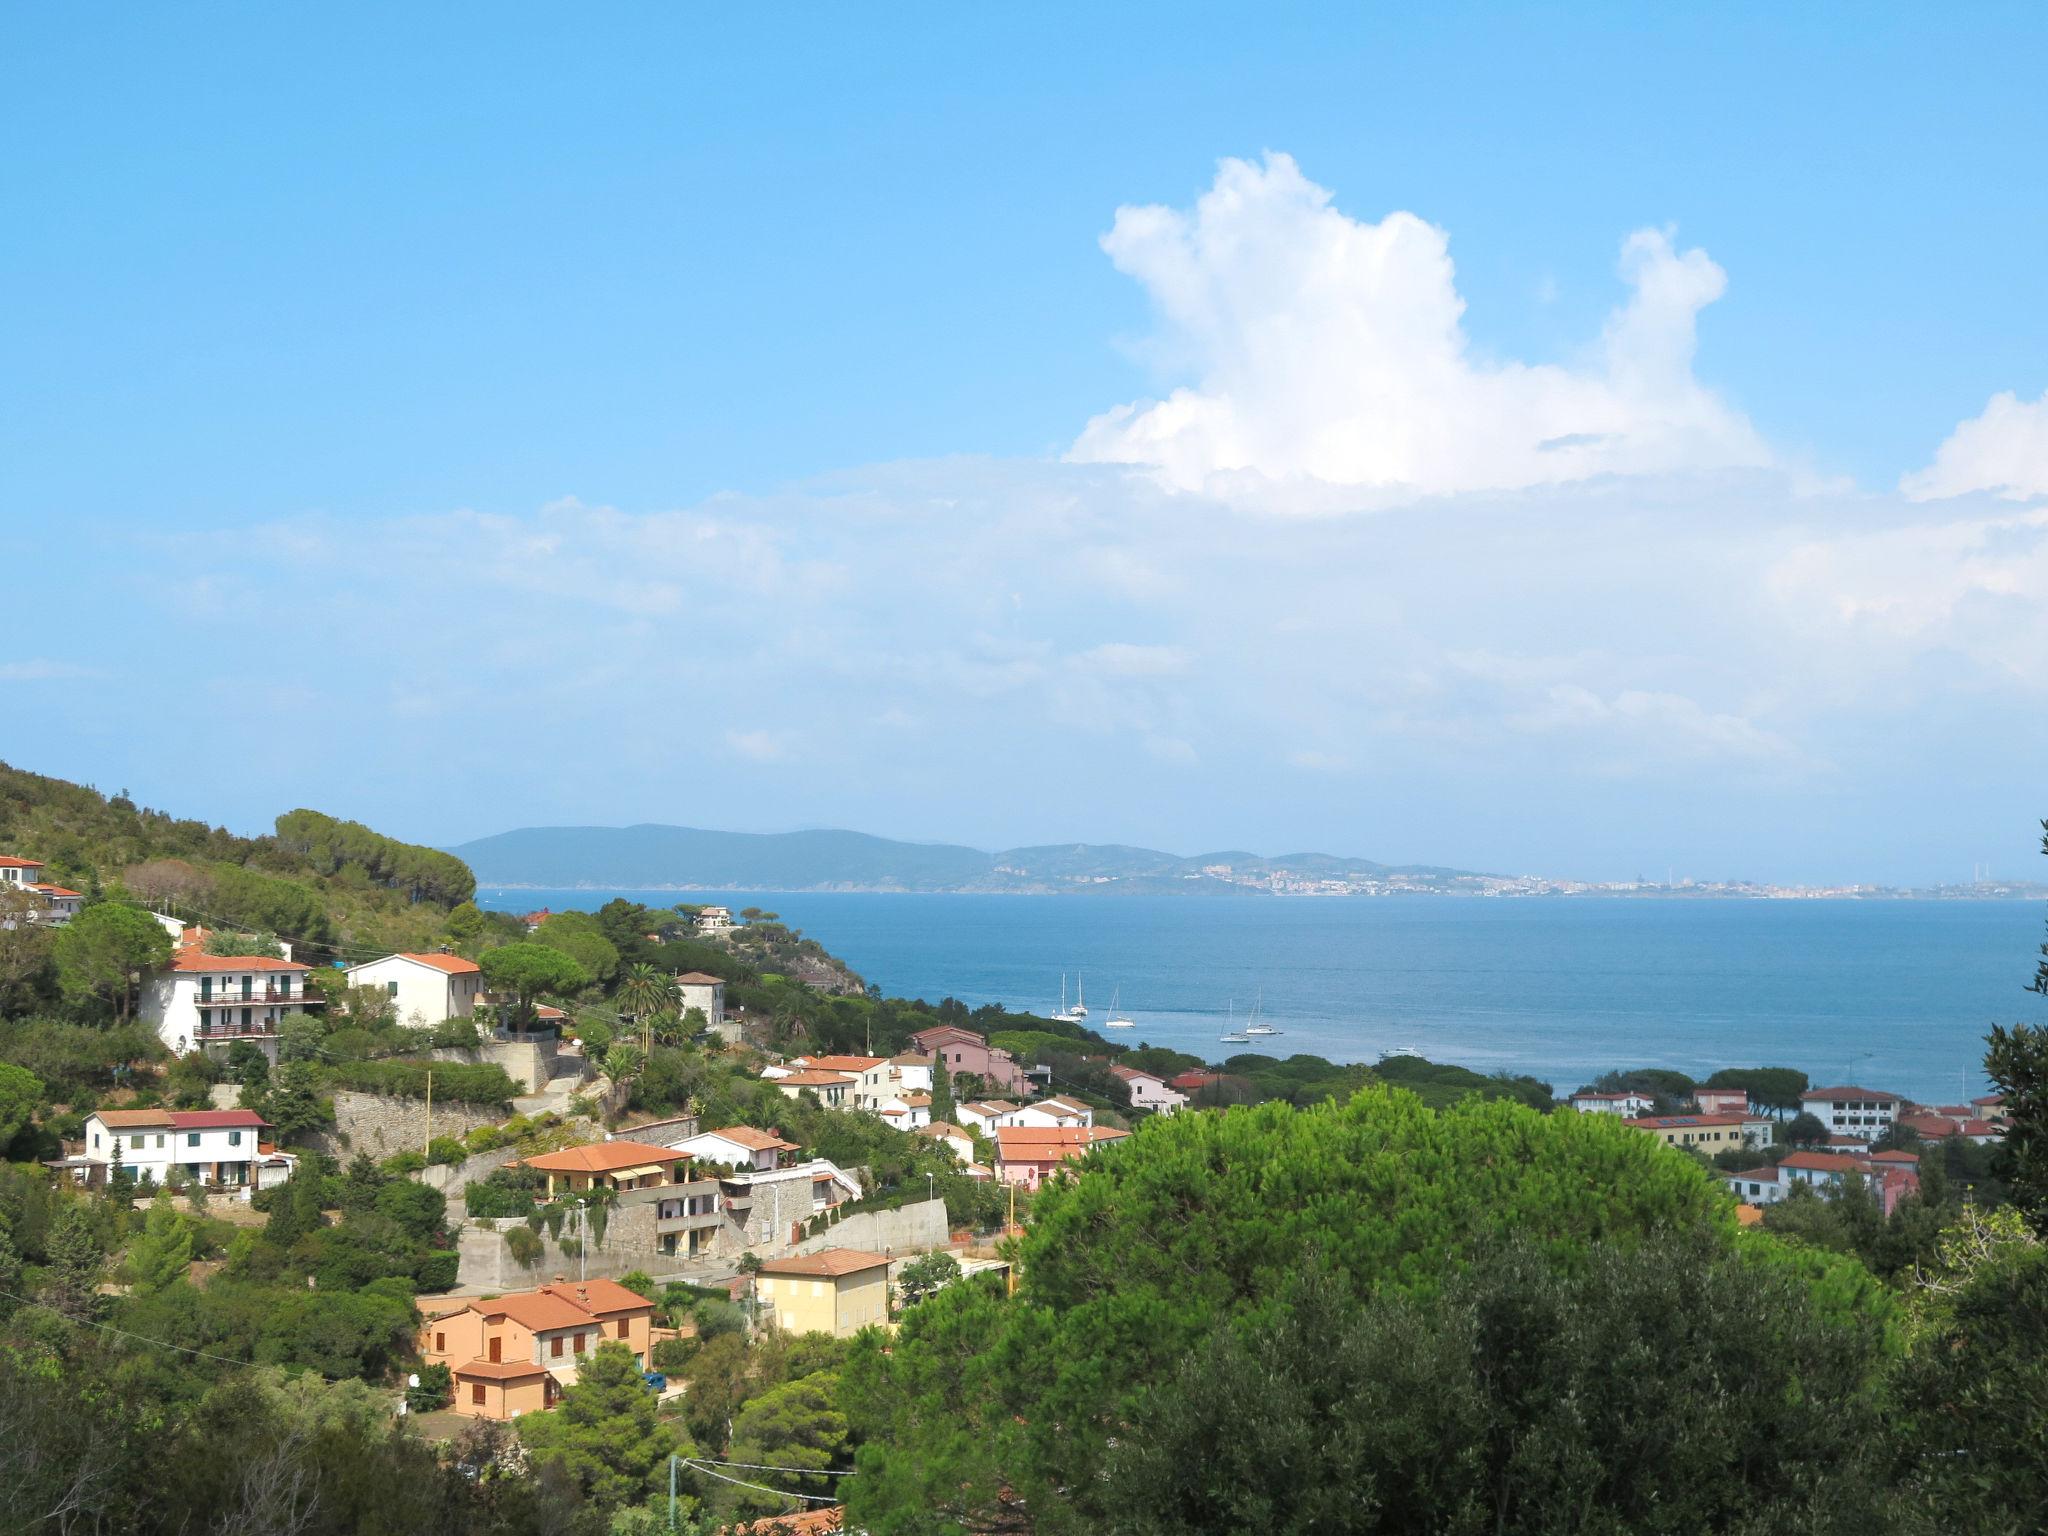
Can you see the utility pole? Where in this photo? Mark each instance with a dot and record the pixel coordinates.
(429, 1148)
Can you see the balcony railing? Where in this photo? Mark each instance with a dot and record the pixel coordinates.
(236, 1031)
(255, 999)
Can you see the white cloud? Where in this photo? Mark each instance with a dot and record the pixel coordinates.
(757, 746)
(2005, 450)
(1331, 364)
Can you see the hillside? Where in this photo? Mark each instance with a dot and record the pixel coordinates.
(331, 887)
(654, 857)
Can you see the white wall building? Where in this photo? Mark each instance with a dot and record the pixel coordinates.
(1050, 1114)
(983, 1116)
(1149, 1090)
(1628, 1103)
(740, 1147)
(715, 920)
(210, 1001)
(215, 1147)
(701, 990)
(907, 1111)
(1851, 1111)
(424, 989)
(58, 905)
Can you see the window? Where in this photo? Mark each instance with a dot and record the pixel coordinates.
(555, 1346)
(391, 989)
(476, 1392)
(159, 1141)
(191, 1138)
(440, 1343)
(95, 1138)
(580, 1341)
(234, 1138)
(625, 1330)
(139, 1142)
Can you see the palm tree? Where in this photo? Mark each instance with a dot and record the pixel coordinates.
(643, 992)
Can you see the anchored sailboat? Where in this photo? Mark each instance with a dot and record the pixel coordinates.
(1232, 1035)
(1078, 1014)
(1116, 1019)
(1258, 1024)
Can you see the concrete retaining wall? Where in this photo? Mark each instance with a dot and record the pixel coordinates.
(630, 1243)
(453, 1178)
(533, 1064)
(907, 1229)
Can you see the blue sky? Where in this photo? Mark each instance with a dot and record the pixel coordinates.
(712, 418)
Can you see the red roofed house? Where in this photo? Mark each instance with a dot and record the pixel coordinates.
(1888, 1182)
(1029, 1154)
(614, 1165)
(424, 989)
(834, 1090)
(513, 1354)
(1706, 1133)
(1721, 1101)
(58, 904)
(210, 1001)
(738, 1146)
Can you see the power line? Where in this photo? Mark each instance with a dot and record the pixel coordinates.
(143, 1338)
(758, 1466)
(739, 1482)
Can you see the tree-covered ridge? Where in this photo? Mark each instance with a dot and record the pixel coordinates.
(331, 846)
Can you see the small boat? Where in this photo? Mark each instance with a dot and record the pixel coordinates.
(1118, 1020)
(1232, 1035)
(1402, 1050)
(1078, 1014)
(1258, 1024)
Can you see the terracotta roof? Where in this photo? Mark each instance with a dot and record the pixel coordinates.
(828, 1262)
(808, 1522)
(1907, 1159)
(1850, 1092)
(1688, 1122)
(454, 965)
(698, 979)
(604, 1157)
(854, 1064)
(1823, 1162)
(218, 1120)
(940, 1128)
(917, 1100)
(1133, 1075)
(991, 1107)
(1979, 1128)
(534, 1310)
(1194, 1079)
(1062, 1103)
(190, 960)
(1038, 1143)
(747, 1136)
(55, 890)
(8, 861)
(1748, 1215)
(910, 1059)
(950, 1034)
(602, 1298)
(808, 1079)
(122, 1119)
(497, 1370)
(1754, 1176)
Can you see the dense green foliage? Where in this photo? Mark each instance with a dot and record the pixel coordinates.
(330, 846)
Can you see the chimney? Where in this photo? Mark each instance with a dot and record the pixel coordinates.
(561, 1279)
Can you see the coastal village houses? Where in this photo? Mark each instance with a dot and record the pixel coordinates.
(53, 904)
(210, 1001)
(984, 1116)
(223, 1149)
(705, 993)
(838, 1291)
(424, 989)
(1149, 1090)
(1890, 1176)
(739, 1147)
(1721, 1101)
(513, 1354)
(618, 1166)
(1053, 1113)
(1707, 1134)
(1627, 1103)
(963, 1051)
(1864, 1112)
(1028, 1155)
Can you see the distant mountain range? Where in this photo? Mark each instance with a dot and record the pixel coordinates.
(690, 858)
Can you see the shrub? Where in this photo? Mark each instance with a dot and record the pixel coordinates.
(436, 1386)
(446, 1149)
(672, 1355)
(405, 1162)
(525, 1246)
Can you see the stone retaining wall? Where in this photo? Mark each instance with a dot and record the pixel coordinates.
(380, 1125)
(907, 1229)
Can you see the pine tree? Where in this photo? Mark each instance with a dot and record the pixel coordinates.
(71, 1279)
(943, 1108)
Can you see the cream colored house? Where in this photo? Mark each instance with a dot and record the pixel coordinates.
(839, 1291)
(424, 989)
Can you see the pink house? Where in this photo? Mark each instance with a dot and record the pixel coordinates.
(962, 1050)
(1029, 1154)
(1721, 1101)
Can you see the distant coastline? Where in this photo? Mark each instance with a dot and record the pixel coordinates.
(1551, 890)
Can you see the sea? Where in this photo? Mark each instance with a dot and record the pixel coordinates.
(1890, 994)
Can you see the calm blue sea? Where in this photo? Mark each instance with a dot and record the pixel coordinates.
(1893, 994)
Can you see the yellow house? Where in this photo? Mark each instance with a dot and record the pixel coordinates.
(839, 1291)
(613, 1165)
(1707, 1134)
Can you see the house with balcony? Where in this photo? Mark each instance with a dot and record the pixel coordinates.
(1888, 1179)
(769, 1206)
(424, 989)
(208, 1002)
(513, 1354)
(618, 1166)
(715, 920)
(1149, 1090)
(741, 1148)
(834, 1090)
(1627, 1103)
(55, 905)
(1055, 1112)
(1866, 1113)
(224, 1149)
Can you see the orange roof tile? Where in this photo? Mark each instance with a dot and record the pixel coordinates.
(1057, 1143)
(532, 1309)
(828, 1262)
(124, 1119)
(8, 861)
(604, 1157)
(497, 1370)
(699, 979)
(810, 1079)
(601, 1298)
(454, 965)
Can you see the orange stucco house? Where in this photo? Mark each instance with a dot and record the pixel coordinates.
(513, 1354)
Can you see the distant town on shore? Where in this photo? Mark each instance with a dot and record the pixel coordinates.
(654, 857)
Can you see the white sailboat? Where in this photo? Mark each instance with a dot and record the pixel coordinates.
(1258, 1024)
(1078, 1014)
(1118, 1020)
(1232, 1035)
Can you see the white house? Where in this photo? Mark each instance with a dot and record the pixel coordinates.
(1149, 1090)
(985, 1115)
(210, 1001)
(58, 904)
(1850, 1111)
(424, 989)
(1888, 1182)
(703, 991)
(740, 1147)
(715, 920)
(215, 1147)
(834, 1090)
(1053, 1114)
(1628, 1103)
(907, 1111)
(954, 1138)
